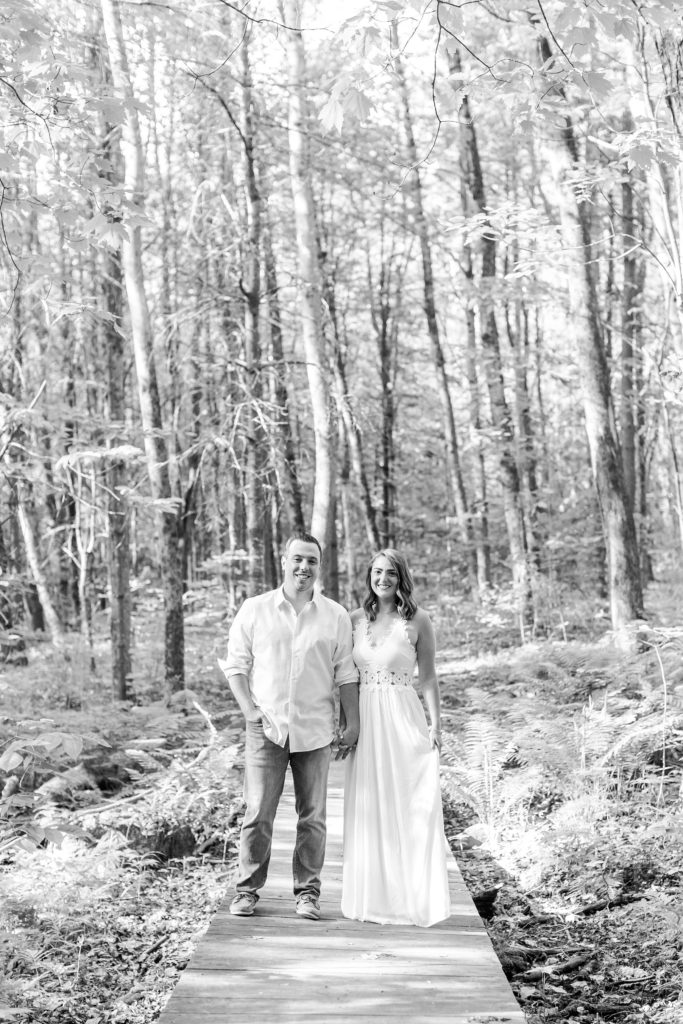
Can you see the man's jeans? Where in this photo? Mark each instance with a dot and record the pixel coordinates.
(265, 767)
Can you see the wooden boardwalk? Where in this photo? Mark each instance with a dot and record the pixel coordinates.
(276, 967)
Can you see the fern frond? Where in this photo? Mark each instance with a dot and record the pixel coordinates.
(640, 735)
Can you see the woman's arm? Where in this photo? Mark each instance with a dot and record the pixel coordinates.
(426, 666)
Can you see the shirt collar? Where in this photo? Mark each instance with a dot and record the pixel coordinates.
(281, 600)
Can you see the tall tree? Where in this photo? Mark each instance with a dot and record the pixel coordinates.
(322, 520)
(258, 511)
(476, 205)
(141, 331)
(453, 462)
(479, 507)
(352, 432)
(624, 585)
(385, 288)
(285, 432)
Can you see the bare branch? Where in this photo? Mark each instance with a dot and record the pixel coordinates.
(552, 35)
(214, 91)
(13, 432)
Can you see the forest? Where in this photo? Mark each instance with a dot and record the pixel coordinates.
(403, 273)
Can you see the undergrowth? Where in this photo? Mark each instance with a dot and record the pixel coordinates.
(118, 826)
(562, 785)
(566, 761)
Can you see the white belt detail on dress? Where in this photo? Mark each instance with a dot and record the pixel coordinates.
(384, 677)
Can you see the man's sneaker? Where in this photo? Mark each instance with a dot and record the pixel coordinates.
(243, 904)
(307, 906)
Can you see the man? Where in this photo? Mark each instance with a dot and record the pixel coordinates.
(288, 651)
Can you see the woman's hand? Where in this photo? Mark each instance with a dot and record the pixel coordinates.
(344, 742)
(435, 736)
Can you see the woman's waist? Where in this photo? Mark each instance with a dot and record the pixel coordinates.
(371, 676)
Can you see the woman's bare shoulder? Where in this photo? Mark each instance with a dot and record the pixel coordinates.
(423, 623)
(356, 615)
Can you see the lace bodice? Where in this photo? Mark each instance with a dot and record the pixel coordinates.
(385, 660)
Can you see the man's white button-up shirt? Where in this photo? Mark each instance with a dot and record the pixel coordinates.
(294, 664)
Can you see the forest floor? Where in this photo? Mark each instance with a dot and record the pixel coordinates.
(562, 794)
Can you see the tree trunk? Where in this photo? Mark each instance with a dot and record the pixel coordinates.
(472, 174)
(352, 431)
(51, 617)
(285, 425)
(311, 308)
(351, 595)
(256, 508)
(479, 506)
(517, 326)
(629, 341)
(112, 342)
(38, 601)
(386, 295)
(167, 344)
(624, 586)
(118, 513)
(141, 330)
(664, 178)
(453, 467)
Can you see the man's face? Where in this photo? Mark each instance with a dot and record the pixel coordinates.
(301, 567)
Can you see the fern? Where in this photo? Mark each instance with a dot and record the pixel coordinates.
(475, 774)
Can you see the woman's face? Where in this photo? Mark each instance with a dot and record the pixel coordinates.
(384, 578)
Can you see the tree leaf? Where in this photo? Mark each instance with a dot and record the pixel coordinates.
(332, 115)
(358, 104)
(599, 85)
(53, 835)
(10, 760)
(639, 156)
(73, 745)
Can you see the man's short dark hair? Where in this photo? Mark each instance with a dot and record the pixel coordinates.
(307, 538)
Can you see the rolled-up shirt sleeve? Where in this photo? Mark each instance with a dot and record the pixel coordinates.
(345, 670)
(240, 657)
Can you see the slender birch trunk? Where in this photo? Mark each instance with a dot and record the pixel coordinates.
(479, 504)
(629, 341)
(52, 620)
(309, 275)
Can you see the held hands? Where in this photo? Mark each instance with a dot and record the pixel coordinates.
(344, 742)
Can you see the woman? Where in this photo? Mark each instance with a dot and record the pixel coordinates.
(394, 869)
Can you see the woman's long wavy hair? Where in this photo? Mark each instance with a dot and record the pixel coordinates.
(404, 600)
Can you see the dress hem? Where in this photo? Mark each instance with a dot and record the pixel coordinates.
(395, 920)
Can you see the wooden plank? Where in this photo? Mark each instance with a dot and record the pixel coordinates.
(340, 1015)
(341, 956)
(440, 992)
(278, 967)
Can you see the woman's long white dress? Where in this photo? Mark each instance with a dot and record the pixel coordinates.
(394, 868)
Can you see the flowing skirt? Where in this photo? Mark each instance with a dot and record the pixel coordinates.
(394, 868)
